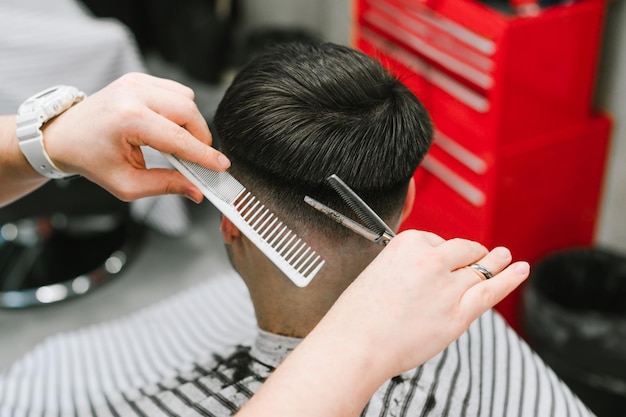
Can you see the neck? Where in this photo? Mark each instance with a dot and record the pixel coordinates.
(285, 309)
(289, 314)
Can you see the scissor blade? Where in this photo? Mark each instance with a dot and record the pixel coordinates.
(343, 220)
(360, 207)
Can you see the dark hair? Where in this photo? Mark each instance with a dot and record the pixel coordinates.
(298, 113)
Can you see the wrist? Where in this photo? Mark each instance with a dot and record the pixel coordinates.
(17, 176)
(353, 347)
(13, 162)
(32, 117)
(53, 139)
(326, 365)
(364, 349)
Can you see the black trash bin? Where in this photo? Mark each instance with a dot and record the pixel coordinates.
(575, 318)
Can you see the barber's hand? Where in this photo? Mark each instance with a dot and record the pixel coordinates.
(100, 137)
(409, 304)
(419, 295)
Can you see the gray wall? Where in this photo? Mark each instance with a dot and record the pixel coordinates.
(611, 96)
(327, 18)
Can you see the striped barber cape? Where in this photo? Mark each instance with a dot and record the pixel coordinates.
(196, 354)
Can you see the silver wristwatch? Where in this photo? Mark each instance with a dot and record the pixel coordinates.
(32, 115)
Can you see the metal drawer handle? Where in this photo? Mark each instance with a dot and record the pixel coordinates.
(426, 14)
(461, 154)
(480, 78)
(455, 89)
(466, 190)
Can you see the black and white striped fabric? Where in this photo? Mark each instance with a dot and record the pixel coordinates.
(162, 362)
(487, 372)
(78, 372)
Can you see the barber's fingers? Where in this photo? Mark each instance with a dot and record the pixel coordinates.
(166, 136)
(458, 252)
(495, 261)
(180, 110)
(131, 184)
(416, 239)
(171, 85)
(480, 297)
(131, 80)
(170, 99)
(173, 124)
(446, 255)
(431, 238)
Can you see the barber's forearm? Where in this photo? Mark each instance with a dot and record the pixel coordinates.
(17, 177)
(331, 373)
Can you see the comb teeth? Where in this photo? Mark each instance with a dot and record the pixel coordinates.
(295, 251)
(352, 200)
(290, 254)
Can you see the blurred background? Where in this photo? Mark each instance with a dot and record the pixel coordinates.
(163, 246)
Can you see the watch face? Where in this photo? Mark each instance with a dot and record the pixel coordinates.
(46, 93)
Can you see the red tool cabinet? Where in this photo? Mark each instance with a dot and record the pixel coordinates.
(519, 154)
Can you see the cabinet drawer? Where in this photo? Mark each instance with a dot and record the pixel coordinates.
(442, 210)
(452, 191)
(535, 199)
(440, 41)
(451, 104)
(507, 77)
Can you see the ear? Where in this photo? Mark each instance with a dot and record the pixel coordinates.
(408, 202)
(229, 230)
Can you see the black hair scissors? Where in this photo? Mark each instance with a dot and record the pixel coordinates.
(375, 229)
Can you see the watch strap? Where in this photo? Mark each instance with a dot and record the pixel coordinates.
(32, 114)
(37, 156)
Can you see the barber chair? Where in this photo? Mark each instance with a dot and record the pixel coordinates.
(63, 241)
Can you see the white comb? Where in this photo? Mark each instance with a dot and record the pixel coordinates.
(293, 256)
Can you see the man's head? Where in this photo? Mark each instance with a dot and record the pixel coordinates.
(300, 112)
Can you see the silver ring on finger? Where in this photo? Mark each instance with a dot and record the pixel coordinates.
(484, 272)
